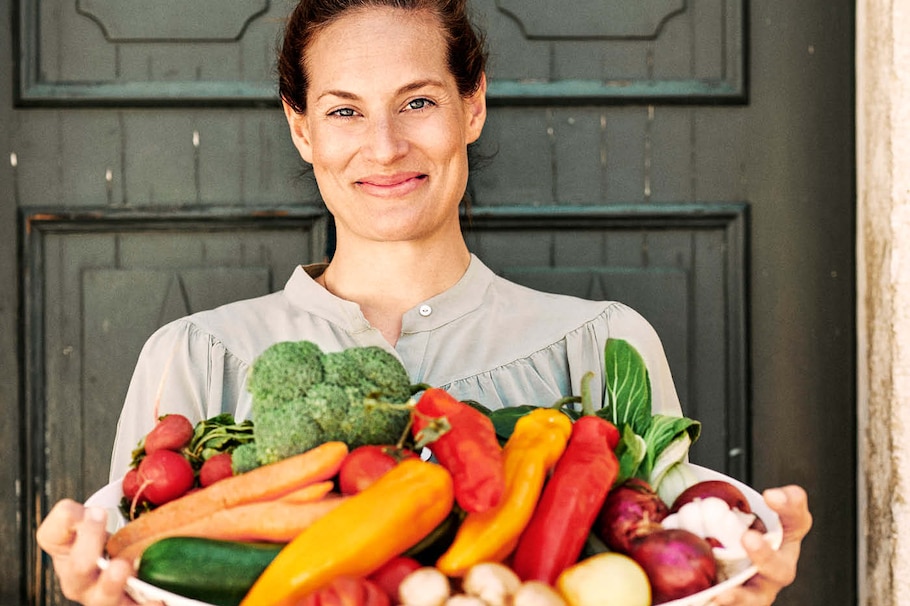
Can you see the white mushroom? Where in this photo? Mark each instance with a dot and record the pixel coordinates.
(492, 582)
(426, 586)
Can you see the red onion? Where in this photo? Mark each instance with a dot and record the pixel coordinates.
(631, 510)
(678, 563)
(713, 488)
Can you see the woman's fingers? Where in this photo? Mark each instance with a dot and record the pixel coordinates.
(74, 537)
(57, 531)
(108, 589)
(792, 505)
(77, 569)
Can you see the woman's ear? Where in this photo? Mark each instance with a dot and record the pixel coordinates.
(300, 133)
(476, 108)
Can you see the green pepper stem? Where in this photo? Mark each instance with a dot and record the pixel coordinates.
(587, 404)
(558, 404)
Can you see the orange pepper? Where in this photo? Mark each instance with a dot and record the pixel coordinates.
(535, 445)
(360, 535)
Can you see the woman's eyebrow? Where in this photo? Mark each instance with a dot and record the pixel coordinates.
(407, 88)
(340, 94)
(419, 84)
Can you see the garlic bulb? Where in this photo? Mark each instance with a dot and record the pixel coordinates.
(711, 517)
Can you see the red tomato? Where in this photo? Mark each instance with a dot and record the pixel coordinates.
(389, 576)
(217, 467)
(164, 475)
(347, 591)
(365, 464)
(172, 432)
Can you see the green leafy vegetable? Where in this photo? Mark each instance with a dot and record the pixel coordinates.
(668, 441)
(648, 442)
(628, 387)
(221, 433)
(631, 451)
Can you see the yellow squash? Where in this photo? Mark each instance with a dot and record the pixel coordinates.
(359, 535)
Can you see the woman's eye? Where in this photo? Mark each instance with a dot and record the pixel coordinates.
(420, 103)
(344, 112)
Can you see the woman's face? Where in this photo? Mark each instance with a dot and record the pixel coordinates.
(385, 128)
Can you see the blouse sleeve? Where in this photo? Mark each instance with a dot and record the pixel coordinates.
(180, 370)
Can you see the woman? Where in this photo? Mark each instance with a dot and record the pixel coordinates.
(387, 133)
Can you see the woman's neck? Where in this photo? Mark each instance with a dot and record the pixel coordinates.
(388, 279)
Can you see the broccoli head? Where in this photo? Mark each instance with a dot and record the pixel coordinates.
(333, 398)
(285, 371)
(245, 457)
(372, 370)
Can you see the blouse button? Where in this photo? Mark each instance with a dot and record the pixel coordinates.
(425, 310)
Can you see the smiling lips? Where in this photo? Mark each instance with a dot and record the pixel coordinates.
(399, 184)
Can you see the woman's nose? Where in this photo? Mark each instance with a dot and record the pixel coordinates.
(386, 142)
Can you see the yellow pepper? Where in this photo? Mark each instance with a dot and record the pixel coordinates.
(359, 535)
(535, 445)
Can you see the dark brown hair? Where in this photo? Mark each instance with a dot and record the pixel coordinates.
(467, 53)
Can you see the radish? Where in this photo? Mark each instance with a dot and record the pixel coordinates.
(172, 432)
(165, 475)
(217, 467)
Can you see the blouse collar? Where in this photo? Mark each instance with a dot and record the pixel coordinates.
(462, 298)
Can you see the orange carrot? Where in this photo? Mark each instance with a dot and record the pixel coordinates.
(308, 494)
(263, 483)
(275, 521)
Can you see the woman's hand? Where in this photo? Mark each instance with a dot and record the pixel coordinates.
(74, 537)
(776, 569)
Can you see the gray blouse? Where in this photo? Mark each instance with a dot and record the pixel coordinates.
(485, 339)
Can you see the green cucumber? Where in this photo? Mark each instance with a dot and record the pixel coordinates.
(210, 570)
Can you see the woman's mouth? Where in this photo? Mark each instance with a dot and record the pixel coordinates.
(398, 184)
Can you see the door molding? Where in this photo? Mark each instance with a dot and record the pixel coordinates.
(37, 226)
(562, 68)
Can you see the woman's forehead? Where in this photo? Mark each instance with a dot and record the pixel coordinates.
(376, 43)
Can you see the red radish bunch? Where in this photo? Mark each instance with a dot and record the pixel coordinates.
(167, 465)
(171, 432)
(215, 468)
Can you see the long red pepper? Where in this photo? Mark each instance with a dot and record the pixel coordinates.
(571, 500)
(467, 446)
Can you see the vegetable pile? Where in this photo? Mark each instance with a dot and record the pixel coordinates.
(524, 506)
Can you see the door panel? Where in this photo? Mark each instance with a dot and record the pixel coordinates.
(98, 288)
(150, 173)
(683, 270)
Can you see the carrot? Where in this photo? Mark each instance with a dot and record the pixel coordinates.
(275, 521)
(263, 483)
(308, 494)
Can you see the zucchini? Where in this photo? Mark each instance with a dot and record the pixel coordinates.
(214, 571)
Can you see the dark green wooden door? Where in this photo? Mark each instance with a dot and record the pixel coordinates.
(693, 158)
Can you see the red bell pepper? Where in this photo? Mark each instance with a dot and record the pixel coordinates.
(571, 500)
(464, 441)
